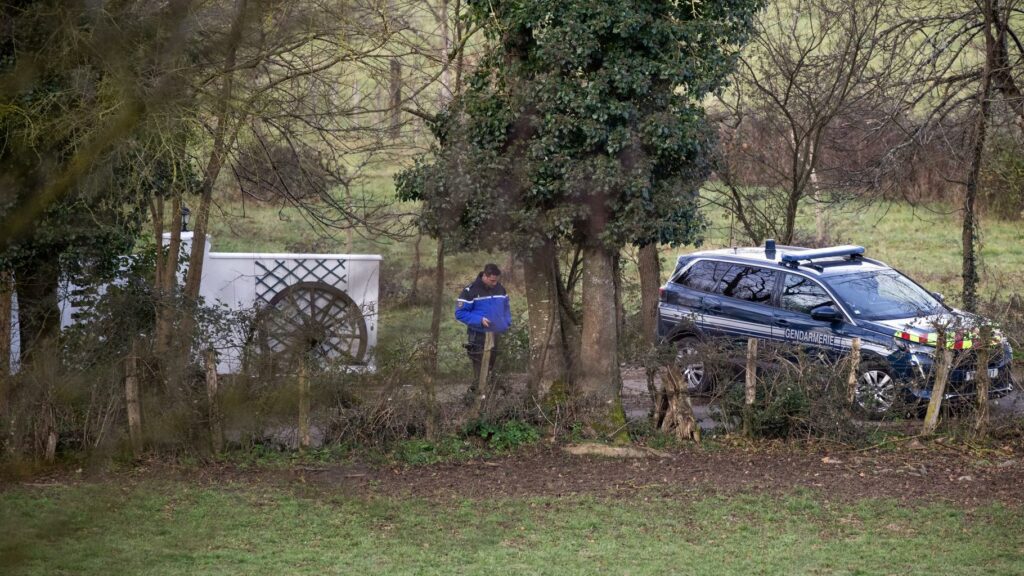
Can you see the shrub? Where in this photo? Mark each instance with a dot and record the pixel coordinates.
(798, 396)
(504, 436)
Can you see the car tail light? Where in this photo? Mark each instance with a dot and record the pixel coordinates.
(661, 294)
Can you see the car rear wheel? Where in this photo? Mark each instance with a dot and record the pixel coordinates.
(877, 389)
(692, 366)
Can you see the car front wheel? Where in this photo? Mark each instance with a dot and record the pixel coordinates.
(876, 390)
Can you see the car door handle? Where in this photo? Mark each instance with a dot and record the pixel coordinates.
(781, 322)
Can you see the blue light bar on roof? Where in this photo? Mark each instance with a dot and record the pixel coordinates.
(823, 253)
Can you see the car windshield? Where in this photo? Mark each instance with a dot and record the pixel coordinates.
(884, 295)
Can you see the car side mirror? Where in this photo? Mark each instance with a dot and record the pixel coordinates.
(826, 314)
(938, 296)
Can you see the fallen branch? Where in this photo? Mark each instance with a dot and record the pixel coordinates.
(591, 449)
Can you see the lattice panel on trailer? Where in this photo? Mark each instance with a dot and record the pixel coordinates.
(273, 278)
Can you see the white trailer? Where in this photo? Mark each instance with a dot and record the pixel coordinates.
(324, 304)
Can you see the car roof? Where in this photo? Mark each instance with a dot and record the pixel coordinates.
(823, 266)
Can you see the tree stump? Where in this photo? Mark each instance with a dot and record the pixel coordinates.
(674, 410)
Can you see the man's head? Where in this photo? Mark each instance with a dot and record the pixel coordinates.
(491, 275)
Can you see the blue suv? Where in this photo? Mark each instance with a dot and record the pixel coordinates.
(821, 299)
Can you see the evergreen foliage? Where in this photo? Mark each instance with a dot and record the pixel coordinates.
(581, 109)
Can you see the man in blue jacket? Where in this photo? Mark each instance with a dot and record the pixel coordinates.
(483, 307)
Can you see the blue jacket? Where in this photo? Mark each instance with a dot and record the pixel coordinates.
(477, 302)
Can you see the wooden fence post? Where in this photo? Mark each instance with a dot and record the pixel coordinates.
(131, 396)
(303, 406)
(750, 388)
(942, 361)
(485, 368)
(982, 381)
(851, 382)
(50, 450)
(213, 397)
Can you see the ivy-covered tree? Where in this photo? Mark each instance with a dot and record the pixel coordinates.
(584, 123)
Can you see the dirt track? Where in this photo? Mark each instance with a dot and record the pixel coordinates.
(914, 475)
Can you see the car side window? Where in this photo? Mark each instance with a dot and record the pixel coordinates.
(748, 283)
(801, 294)
(701, 276)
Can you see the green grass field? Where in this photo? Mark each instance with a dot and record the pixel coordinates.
(175, 528)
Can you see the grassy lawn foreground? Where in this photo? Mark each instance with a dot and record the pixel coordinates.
(173, 528)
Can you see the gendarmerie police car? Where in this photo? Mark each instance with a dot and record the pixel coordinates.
(823, 298)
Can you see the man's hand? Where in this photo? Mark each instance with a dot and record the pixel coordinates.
(486, 323)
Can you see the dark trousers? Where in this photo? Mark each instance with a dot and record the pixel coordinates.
(475, 349)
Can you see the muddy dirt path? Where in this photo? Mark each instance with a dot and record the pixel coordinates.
(918, 474)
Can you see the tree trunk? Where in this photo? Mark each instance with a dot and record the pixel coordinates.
(968, 235)
(438, 308)
(649, 267)
(567, 316)
(820, 215)
(350, 230)
(819, 209)
(444, 89)
(395, 90)
(38, 306)
(222, 141)
(600, 382)
(460, 54)
(792, 206)
(1001, 67)
(547, 346)
(415, 274)
(166, 273)
(509, 272)
(650, 282)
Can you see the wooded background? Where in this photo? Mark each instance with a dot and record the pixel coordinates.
(577, 143)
